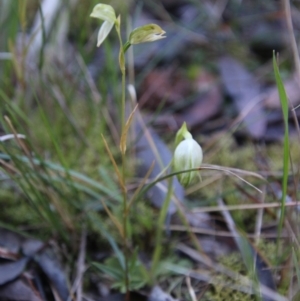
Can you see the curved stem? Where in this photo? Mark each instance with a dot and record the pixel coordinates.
(155, 181)
(126, 46)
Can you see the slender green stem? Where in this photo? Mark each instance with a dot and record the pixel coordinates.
(159, 233)
(123, 100)
(125, 242)
(125, 236)
(126, 46)
(125, 215)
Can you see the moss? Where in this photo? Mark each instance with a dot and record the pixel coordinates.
(223, 292)
(226, 152)
(16, 211)
(268, 250)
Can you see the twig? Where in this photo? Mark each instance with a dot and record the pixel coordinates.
(182, 228)
(259, 219)
(77, 285)
(11, 136)
(287, 10)
(244, 207)
(80, 264)
(190, 288)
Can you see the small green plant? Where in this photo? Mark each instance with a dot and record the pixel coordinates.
(146, 33)
(114, 267)
(187, 160)
(126, 269)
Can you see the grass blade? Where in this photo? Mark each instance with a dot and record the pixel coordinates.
(286, 150)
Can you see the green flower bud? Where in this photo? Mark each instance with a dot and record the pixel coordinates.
(188, 155)
(146, 33)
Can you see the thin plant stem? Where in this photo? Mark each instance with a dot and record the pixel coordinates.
(125, 215)
(123, 100)
(161, 220)
(125, 242)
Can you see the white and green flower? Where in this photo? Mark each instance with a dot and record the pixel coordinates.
(107, 14)
(142, 34)
(188, 155)
(146, 33)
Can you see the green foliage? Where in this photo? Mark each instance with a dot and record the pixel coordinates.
(286, 146)
(143, 215)
(137, 274)
(22, 215)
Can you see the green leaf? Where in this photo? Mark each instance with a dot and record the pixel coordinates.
(110, 269)
(286, 150)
